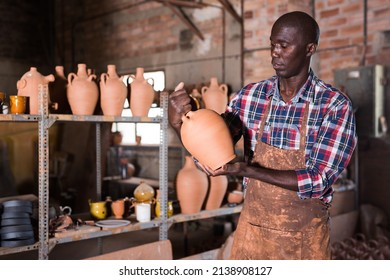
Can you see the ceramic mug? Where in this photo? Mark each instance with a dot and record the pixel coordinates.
(17, 104)
(143, 212)
(98, 209)
(2, 99)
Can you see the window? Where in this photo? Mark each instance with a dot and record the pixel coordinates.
(149, 132)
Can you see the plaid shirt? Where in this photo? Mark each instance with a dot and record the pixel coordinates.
(330, 136)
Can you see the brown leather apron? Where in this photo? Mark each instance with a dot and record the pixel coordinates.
(275, 224)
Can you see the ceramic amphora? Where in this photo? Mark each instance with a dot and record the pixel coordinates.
(215, 96)
(217, 191)
(141, 95)
(191, 187)
(206, 136)
(28, 86)
(57, 90)
(82, 91)
(113, 92)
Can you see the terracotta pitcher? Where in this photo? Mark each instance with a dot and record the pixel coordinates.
(142, 94)
(28, 86)
(191, 187)
(57, 91)
(215, 96)
(113, 92)
(217, 191)
(205, 136)
(82, 91)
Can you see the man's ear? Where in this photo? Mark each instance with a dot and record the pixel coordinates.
(311, 49)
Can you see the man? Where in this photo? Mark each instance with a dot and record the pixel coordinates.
(299, 135)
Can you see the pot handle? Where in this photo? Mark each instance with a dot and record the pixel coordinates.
(103, 78)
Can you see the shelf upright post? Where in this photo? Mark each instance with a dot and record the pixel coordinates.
(163, 230)
(43, 150)
(98, 161)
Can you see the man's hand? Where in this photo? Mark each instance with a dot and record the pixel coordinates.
(236, 169)
(179, 104)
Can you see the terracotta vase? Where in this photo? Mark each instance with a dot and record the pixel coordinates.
(191, 187)
(206, 136)
(113, 92)
(57, 91)
(82, 91)
(235, 197)
(217, 191)
(118, 208)
(215, 96)
(142, 94)
(28, 86)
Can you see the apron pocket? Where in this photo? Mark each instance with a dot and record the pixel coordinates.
(272, 244)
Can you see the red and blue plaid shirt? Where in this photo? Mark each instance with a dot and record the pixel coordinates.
(331, 133)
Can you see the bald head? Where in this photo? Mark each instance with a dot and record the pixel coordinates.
(304, 23)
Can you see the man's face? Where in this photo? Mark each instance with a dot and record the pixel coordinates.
(288, 51)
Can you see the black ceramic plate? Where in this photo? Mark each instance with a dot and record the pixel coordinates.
(12, 215)
(20, 228)
(17, 235)
(15, 222)
(12, 203)
(17, 243)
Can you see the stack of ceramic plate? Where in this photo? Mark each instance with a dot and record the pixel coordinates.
(16, 228)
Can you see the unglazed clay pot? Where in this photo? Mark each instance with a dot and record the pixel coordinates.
(57, 91)
(28, 86)
(206, 136)
(191, 187)
(215, 96)
(82, 91)
(118, 208)
(113, 92)
(217, 191)
(142, 94)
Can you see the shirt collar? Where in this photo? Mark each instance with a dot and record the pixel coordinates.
(306, 93)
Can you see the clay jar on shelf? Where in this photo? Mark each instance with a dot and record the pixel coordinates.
(215, 96)
(28, 86)
(191, 187)
(82, 91)
(141, 95)
(217, 191)
(113, 92)
(57, 90)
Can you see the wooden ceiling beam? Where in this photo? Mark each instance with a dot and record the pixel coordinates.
(184, 3)
(229, 7)
(187, 21)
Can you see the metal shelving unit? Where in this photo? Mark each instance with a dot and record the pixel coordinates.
(45, 120)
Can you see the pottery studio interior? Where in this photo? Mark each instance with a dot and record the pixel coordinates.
(114, 115)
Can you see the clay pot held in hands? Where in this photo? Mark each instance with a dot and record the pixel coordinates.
(206, 136)
(82, 91)
(113, 92)
(191, 187)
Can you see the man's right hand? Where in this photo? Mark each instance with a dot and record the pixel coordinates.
(179, 104)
